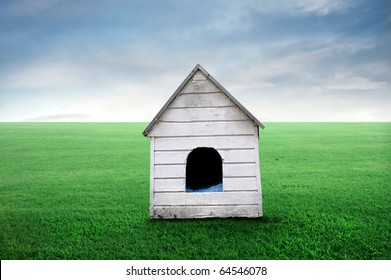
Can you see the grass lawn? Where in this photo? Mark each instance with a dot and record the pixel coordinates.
(81, 191)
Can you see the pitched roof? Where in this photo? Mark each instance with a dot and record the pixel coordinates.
(183, 84)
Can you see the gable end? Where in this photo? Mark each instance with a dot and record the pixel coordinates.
(199, 74)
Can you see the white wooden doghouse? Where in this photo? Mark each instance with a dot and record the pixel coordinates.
(204, 154)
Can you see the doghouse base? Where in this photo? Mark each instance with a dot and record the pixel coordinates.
(199, 212)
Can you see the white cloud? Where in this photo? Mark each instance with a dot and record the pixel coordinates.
(59, 118)
(323, 7)
(297, 8)
(347, 82)
(41, 74)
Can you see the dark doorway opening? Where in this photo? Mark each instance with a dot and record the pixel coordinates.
(204, 171)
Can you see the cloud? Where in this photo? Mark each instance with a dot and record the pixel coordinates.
(299, 7)
(59, 118)
(284, 60)
(347, 82)
(30, 7)
(323, 7)
(41, 74)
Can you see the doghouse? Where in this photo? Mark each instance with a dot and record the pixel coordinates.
(204, 154)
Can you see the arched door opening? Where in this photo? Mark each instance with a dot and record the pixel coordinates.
(204, 171)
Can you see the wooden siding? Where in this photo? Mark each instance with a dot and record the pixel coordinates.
(217, 142)
(258, 180)
(199, 82)
(203, 129)
(228, 156)
(206, 100)
(202, 116)
(179, 212)
(199, 86)
(230, 184)
(229, 170)
(205, 199)
(152, 177)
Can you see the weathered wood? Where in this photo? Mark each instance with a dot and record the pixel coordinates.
(152, 176)
(204, 114)
(229, 184)
(189, 212)
(199, 85)
(235, 170)
(201, 129)
(240, 184)
(199, 76)
(215, 198)
(229, 170)
(176, 101)
(171, 157)
(258, 180)
(231, 156)
(228, 156)
(217, 142)
(170, 171)
(201, 100)
(201, 113)
(170, 184)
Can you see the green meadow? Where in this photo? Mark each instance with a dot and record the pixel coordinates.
(81, 191)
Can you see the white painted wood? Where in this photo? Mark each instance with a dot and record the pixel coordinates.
(152, 176)
(171, 157)
(216, 198)
(170, 171)
(167, 185)
(229, 184)
(199, 85)
(198, 76)
(239, 184)
(228, 156)
(229, 170)
(216, 99)
(189, 212)
(207, 129)
(235, 170)
(258, 178)
(203, 114)
(218, 142)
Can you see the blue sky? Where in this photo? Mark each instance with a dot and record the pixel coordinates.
(304, 60)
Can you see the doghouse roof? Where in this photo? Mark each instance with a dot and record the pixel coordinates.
(183, 84)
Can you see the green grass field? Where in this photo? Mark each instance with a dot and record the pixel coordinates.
(81, 191)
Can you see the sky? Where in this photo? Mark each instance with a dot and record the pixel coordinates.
(120, 61)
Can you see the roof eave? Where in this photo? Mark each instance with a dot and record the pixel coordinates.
(226, 92)
(149, 128)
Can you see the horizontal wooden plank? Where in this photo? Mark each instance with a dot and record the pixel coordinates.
(228, 156)
(229, 170)
(190, 212)
(170, 185)
(216, 99)
(236, 170)
(218, 142)
(237, 184)
(170, 171)
(204, 128)
(229, 184)
(199, 85)
(204, 114)
(216, 198)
